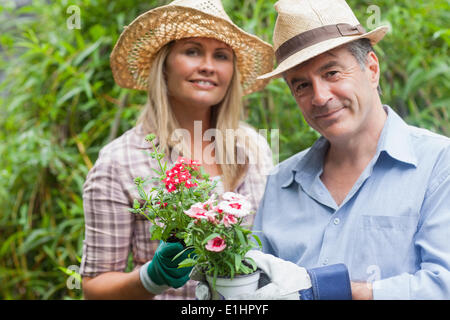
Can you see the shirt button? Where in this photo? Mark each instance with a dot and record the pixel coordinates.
(336, 221)
(325, 262)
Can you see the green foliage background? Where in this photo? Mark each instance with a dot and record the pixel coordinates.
(59, 105)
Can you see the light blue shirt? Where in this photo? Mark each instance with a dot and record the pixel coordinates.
(392, 229)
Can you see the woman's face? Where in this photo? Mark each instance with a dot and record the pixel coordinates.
(198, 72)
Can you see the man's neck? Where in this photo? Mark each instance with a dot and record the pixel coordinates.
(346, 159)
(358, 149)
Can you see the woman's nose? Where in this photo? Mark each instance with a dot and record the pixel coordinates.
(207, 65)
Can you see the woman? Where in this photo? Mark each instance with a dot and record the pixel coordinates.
(195, 65)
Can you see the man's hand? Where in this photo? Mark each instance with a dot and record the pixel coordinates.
(361, 291)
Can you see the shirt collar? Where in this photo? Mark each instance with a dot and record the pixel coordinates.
(395, 140)
(310, 164)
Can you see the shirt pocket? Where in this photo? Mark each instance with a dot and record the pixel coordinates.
(392, 223)
(385, 244)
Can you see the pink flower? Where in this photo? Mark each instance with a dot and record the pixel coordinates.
(212, 216)
(197, 211)
(228, 220)
(216, 245)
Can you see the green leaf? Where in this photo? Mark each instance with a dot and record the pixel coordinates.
(188, 262)
(68, 96)
(245, 269)
(216, 272)
(241, 237)
(232, 272)
(237, 261)
(141, 192)
(72, 273)
(251, 262)
(87, 52)
(180, 253)
(257, 240)
(156, 232)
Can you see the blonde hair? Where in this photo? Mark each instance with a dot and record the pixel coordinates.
(157, 117)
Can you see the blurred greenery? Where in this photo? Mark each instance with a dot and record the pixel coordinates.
(59, 106)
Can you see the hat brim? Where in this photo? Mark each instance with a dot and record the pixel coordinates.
(138, 44)
(317, 49)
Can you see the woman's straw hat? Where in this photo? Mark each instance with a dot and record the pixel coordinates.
(135, 50)
(307, 28)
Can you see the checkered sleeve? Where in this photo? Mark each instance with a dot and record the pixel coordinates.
(108, 223)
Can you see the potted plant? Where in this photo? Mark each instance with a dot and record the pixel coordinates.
(220, 243)
(183, 207)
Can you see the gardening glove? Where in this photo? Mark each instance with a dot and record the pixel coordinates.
(162, 271)
(287, 281)
(284, 280)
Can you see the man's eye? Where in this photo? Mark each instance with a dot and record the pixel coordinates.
(301, 87)
(331, 74)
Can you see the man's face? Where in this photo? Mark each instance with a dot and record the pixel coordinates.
(335, 95)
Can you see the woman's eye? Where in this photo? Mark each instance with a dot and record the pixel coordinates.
(192, 52)
(222, 56)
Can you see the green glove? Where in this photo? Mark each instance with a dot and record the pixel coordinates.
(162, 272)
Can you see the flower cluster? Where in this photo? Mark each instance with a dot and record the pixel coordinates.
(175, 190)
(227, 212)
(180, 174)
(219, 240)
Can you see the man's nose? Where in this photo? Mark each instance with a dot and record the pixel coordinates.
(321, 93)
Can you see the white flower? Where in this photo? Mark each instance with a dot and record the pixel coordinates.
(238, 208)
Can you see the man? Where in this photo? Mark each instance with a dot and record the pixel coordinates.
(372, 193)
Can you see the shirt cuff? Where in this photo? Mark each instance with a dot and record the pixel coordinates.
(328, 283)
(148, 283)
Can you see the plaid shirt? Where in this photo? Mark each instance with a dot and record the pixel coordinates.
(111, 231)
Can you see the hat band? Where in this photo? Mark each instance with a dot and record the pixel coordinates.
(313, 36)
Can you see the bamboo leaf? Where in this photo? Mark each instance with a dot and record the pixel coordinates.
(87, 52)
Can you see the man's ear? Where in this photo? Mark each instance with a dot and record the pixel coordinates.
(373, 68)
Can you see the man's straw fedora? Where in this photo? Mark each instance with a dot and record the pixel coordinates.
(135, 50)
(307, 28)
